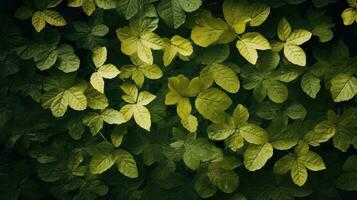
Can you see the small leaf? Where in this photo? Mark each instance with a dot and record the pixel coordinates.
(295, 54)
(253, 134)
(299, 173)
(108, 71)
(54, 18)
(97, 82)
(212, 103)
(256, 156)
(299, 36)
(38, 21)
(99, 56)
(142, 117)
(126, 163)
(343, 87)
(310, 84)
(284, 29)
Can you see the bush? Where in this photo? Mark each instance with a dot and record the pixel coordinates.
(178, 99)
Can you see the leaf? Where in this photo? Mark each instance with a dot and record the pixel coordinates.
(240, 115)
(284, 164)
(253, 134)
(204, 187)
(312, 161)
(256, 156)
(177, 45)
(126, 163)
(101, 162)
(53, 18)
(284, 29)
(249, 43)
(112, 116)
(151, 71)
(200, 150)
(208, 30)
(99, 56)
(38, 21)
(94, 121)
(277, 91)
(225, 77)
(296, 111)
(235, 142)
(212, 103)
(128, 7)
(226, 180)
(343, 87)
(108, 71)
(67, 61)
(190, 5)
(144, 98)
(97, 82)
(299, 173)
(347, 181)
(348, 16)
(310, 84)
(142, 116)
(220, 131)
(295, 54)
(298, 37)
(171, 12)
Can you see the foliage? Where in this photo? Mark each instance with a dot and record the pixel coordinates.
(178, 99)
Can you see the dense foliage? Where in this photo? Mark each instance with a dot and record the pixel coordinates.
(178, 99)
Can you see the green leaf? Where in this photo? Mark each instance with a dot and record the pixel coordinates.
(53, 18)
(212, 103)
(240, 115)
(277, 91)
(112, 116)
(38, 21)
(299, 173)
(253, 134)
(95, 99)
(295, 54)
(151, 71)
(101, 162)
(349, 16)
(220, 131)
(225, 77)
(142, 116)
(108, 71)
(284, 164)
(171, 12)
(97, 82)
(284, 29)
(200, 150)
(310, 84)
(209, 30)
(343, 87)
(177, 45)
(296, 111)
(235, 142)
(347, 181)
(226, 180)
(312, 161)
(126, 163)
(99, 56)
(94, 121)
(190, 5)
(129, 8)
(204, 187)
(298, 37)
(248, 45)
(256, 156)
